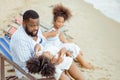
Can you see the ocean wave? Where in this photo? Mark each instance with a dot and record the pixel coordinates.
(110, 8)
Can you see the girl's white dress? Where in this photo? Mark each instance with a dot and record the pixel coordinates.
(65, 65)
(55, 41)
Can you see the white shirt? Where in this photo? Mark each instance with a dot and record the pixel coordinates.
(22, 47)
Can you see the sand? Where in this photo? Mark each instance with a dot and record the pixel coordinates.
(97, 35)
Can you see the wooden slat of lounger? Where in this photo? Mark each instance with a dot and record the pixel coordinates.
(52, 78)
(4, 42)
(2, 74)
(5, 51)
(16, 66)
(9, 61)
(7, 39)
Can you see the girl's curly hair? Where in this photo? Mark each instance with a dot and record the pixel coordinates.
(61, 11)
(41, 65)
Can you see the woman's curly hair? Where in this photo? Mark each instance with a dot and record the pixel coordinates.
(61, 11)
(41, 65)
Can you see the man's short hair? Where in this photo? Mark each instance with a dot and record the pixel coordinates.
(30, 14)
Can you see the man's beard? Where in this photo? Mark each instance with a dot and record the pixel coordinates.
(30, 33)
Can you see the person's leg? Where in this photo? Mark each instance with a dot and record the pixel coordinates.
(64, 77)
(67, 73)
(75, 58)
(81, 53)
(72, 71)
(83, 63)
(77, 54)
(60, 75)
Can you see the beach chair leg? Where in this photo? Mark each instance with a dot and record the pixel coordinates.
(2, 73)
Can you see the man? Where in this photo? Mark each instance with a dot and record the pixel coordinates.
(24, 40)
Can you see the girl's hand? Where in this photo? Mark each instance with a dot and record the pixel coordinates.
(36, 55)
(60, 60)
(54, 60)
(68, 53)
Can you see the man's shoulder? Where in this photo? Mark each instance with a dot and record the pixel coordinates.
(19, 34)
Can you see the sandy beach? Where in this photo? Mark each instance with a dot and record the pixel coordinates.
(97, 35)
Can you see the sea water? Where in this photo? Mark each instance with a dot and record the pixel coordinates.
(110, 8)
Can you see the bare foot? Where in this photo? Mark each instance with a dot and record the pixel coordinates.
(81, 53)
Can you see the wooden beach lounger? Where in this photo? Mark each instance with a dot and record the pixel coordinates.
(5, 56)
(9, 31)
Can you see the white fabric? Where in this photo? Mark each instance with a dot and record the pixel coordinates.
(55, 41)
(65, 65)
(67, 61)
(22, 48)
(73, 48)
(58, 73)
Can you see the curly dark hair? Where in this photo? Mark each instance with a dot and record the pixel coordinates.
(33, 65)
(61, 11)
(30, 14)
(41, 65)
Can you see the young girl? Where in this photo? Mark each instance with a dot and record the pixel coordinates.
(62, 14)
(61, 61)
